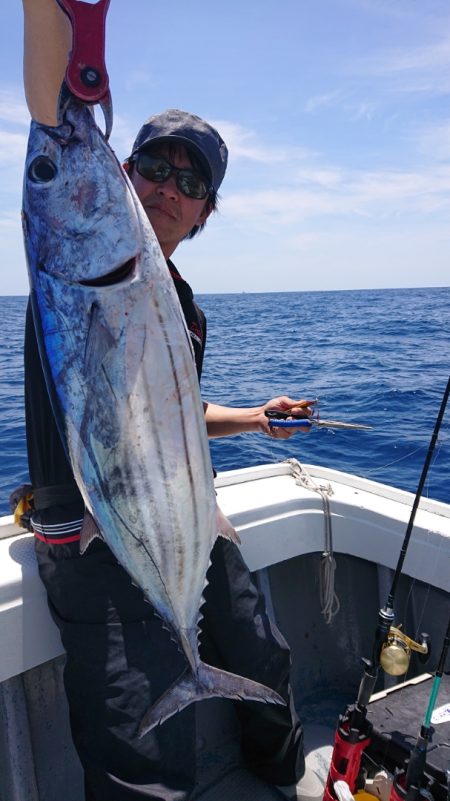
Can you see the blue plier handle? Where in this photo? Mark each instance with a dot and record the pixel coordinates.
(86, 76)
(280, 420)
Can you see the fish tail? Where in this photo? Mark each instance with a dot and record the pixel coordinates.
(207, 682)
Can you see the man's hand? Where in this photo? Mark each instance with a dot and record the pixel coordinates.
(224, 421)
(299, 408)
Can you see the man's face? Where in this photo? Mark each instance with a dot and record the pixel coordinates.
(171, 214)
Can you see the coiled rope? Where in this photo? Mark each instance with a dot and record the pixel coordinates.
(329, 601)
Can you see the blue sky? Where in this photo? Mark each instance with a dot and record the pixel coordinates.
(337, 118)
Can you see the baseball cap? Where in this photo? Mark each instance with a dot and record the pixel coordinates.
(191, 131)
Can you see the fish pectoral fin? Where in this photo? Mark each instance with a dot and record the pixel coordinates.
(89, 532)
(99, 342)
(208, 682)
(224, 527)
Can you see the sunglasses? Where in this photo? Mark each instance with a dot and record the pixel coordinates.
(155, 168)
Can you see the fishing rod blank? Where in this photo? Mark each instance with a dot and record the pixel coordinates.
(390, 601)
(386, 614)
(354, 731)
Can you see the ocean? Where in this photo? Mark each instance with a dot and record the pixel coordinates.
(378, 357)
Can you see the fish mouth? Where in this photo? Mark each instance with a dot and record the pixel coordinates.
(117, 276)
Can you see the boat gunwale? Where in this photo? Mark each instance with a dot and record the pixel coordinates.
(8, 528)
(246, 474)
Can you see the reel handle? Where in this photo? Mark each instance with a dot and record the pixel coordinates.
(426, 641)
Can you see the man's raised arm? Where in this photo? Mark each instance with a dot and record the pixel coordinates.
(47, 42)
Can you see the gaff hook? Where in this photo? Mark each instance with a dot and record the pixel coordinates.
(86, 76)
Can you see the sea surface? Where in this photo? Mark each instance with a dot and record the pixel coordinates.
(378, 357)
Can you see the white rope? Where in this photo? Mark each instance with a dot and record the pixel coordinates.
(329, 601)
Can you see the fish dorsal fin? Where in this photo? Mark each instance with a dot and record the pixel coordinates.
(89, 532)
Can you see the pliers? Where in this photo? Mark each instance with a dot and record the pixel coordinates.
(86, 77)
(280, 420)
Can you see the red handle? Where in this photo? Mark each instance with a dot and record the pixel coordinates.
(86, 75)
(345, 763)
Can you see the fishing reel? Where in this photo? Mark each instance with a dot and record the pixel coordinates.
(395, 653)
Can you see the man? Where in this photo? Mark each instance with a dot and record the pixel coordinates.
(118, 655)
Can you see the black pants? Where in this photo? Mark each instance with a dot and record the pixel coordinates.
(120, 660)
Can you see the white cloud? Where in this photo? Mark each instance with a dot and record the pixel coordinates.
(12, 109)
(342, 100)
(312, 190)
(433, 140)
(434, 56)
(12, 148)
(361, 111)
(243, 143)
(320, 176)
(326, 100)
(380, 196)
(412, 69)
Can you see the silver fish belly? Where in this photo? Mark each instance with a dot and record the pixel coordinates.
(121, 375)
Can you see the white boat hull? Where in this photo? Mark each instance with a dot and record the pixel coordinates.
(281, 525)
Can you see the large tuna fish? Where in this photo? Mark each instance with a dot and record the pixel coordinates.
(121, 375)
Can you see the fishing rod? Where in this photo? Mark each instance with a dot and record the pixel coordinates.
(407, 784)
(391, 651)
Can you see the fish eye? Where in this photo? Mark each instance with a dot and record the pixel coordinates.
(42, 170)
